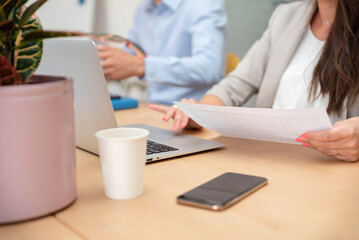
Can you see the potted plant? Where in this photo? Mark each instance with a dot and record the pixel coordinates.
(37, 149)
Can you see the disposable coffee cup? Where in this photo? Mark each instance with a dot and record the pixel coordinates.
(123, 159)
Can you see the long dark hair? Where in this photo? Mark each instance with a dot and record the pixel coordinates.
(337, 71)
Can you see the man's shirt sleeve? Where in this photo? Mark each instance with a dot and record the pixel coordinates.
(206, 65)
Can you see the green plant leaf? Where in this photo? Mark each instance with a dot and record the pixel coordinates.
(30, 11)
(27, 55)
(21, 3)
(3, 16)
(8, 6)
(6, 37)
(1, 49)
(16, 4)
(6, 26)
(38, 34)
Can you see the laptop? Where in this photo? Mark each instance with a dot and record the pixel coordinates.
(77, 57)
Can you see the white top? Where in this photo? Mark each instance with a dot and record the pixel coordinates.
(294, 86)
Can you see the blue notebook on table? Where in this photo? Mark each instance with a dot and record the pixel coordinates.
(124, 103)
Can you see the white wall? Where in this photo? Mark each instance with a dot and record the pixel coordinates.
(114, 16)
(102, 16)
(67, 15)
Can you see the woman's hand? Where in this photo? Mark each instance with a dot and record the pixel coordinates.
(180, 120)
(341, 142)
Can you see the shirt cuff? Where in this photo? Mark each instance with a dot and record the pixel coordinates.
(153, 66)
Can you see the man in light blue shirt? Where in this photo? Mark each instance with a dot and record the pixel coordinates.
(185, 42)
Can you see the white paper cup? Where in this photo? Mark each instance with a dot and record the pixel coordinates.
(123, 159)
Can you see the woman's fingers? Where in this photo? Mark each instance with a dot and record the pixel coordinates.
(170, 113)
(177, 119)
(341, 142)
(330, 135)
(158, 108)
(184, 119)
(180, 119)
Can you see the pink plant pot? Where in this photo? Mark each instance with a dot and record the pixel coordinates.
(37, 148)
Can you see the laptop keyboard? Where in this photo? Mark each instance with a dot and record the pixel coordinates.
(154, 147)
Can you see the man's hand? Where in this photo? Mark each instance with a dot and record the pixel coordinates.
(118, 64)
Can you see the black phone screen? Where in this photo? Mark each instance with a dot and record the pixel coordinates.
(222, 190)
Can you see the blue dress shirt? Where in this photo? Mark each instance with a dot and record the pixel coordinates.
(185, 41)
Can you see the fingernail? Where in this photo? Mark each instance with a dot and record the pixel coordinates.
(299, 139)
(174, 128)
(305, 144)
(164, 118)
(305, 135)
(183, 124)
(148, 105)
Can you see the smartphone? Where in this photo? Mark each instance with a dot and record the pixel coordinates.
(222, 191)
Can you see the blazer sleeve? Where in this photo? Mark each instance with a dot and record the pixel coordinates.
(239, 85)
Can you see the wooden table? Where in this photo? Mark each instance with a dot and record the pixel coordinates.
(308, 196)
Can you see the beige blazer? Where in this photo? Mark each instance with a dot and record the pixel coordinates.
(262, 68)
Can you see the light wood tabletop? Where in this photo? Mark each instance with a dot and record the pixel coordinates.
(308, 196)
(40, 229)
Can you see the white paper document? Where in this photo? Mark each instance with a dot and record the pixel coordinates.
(276, 125)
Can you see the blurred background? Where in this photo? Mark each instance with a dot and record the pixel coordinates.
(247, 18)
